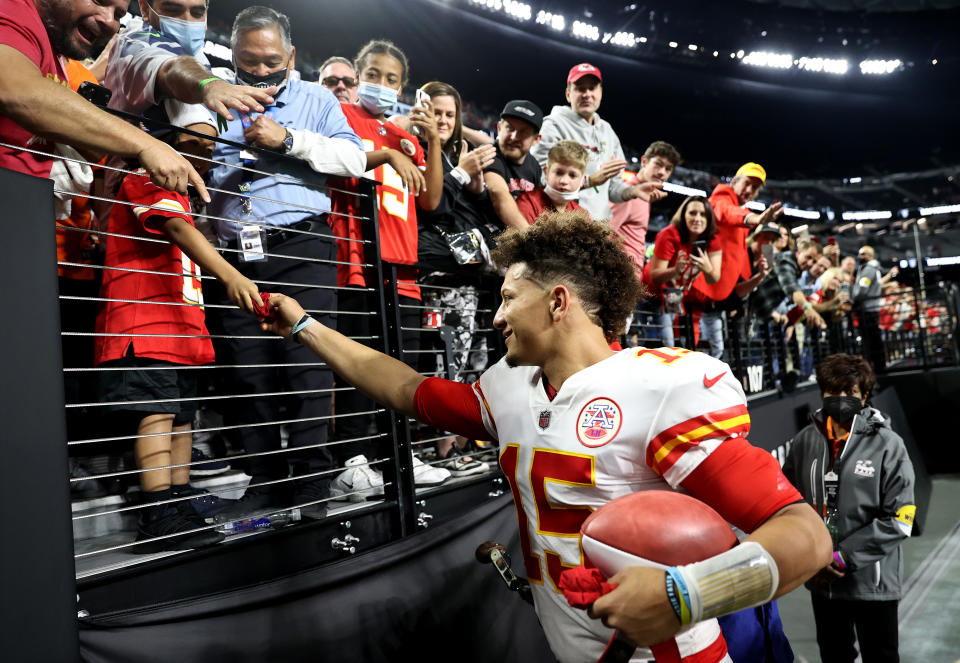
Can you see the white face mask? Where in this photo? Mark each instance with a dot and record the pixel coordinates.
(566, 196)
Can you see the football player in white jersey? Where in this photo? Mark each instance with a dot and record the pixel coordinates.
(579, 424)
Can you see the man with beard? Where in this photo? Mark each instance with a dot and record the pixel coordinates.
(513, 170)
(37, 106)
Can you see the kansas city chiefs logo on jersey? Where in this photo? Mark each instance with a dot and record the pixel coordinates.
(407, 146)
(599, 422)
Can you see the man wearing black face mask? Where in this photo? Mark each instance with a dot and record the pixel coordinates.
(856, 473)
(286, 239)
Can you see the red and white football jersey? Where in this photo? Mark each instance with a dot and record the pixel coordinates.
(642, 419)
(164, 276)
(396, 207)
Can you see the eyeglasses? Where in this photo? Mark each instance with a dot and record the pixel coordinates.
(333, 81)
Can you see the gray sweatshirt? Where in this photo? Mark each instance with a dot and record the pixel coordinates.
(601, 143)
(876, 504)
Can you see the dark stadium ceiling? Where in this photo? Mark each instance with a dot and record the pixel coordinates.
(864, 5)
(718, 110)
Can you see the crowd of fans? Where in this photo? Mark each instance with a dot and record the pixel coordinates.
(274, 217)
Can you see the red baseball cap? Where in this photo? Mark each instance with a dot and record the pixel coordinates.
(578, 71)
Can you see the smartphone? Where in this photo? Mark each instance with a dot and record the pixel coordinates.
(831, 240)
(767, 250)
(699, 245)
(95, 94)
(420, 98)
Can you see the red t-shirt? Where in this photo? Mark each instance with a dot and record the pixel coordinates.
(396, 207)
(22, 29)
(534, 203)
(184, 331)
(666, 247)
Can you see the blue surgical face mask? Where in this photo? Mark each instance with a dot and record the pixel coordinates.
(376, 98)
(191, 35)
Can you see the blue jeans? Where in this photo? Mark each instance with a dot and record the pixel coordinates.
(711, 328)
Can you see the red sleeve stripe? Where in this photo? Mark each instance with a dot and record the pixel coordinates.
(486, 405)
(667, 447)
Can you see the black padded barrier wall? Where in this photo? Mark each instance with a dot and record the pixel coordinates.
(38, 614)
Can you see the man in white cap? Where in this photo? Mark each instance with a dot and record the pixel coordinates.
(580, 122)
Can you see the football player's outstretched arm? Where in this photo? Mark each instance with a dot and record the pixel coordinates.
(382, 378)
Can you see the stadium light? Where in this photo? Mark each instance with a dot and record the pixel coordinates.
(801, 213)
(692, 47)
(585, 31)
(826, 65)
(869, 215)
(879, 67)
(555, 21)
(942, 209)
(768, 59)
(673, 44)
(625, 39)
(683, 190)
(799, 229)
(642, 40)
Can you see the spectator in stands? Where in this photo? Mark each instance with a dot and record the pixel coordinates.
(787, 268)
(867, 302)
(159, 56)
(166, 328)
(383, 71)
(338, 76)
(785, 242)
(849, 265)
(36, 106)
(684, 251)
(464, 207)
(514, 170)
(630, 218)
(852, 468)
(566, 163)
(580, 122)
(272, 214)
(733, 225)
(734, 221)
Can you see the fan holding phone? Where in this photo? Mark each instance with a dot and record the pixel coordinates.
(685, 251)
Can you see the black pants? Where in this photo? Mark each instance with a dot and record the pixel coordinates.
(313, 407)
(875, 623)
(872, 340)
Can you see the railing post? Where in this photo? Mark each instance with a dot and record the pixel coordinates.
(39, 605)
(387, 327)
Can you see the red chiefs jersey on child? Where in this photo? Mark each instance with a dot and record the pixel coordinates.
(396, 207)
(183, 329)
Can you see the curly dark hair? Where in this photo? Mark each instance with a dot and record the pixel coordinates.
(840, 372)
(584, 255)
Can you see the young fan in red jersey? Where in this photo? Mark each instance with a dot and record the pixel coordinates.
(410, 179)
(566, 162)
(579, 425)
(152, 322)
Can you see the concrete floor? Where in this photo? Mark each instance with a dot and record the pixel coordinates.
(930, 609)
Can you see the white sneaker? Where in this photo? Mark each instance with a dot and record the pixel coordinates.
(428, 475)
(358, 481)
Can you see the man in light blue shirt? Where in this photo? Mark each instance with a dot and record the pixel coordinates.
(273, 227)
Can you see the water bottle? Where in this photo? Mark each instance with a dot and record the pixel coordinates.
(831, 520)
(271, 521)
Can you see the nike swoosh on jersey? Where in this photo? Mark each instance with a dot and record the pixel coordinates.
(709, 382)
